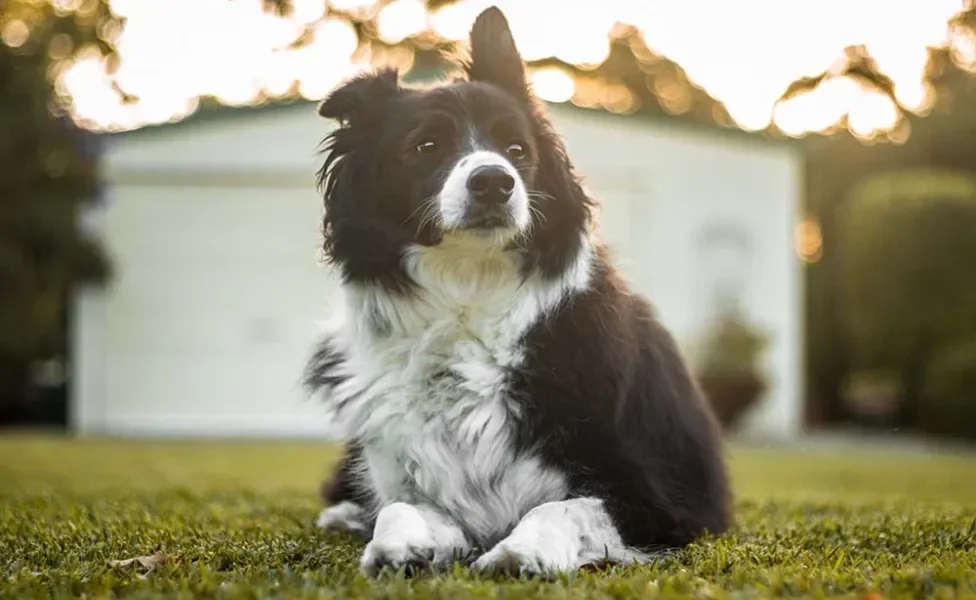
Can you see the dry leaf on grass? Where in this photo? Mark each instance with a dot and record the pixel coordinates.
(147, 562)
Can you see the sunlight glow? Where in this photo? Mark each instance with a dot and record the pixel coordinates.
(964, 50)
(553, 84)
(350, 6)
(401, 19)
(745, 54)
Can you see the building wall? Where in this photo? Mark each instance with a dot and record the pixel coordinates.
(215, 229)
(209, 323)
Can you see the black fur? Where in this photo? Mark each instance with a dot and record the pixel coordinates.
(607, 397)
(343, 483)
(614, 405)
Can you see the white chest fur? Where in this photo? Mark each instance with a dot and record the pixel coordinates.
(428, 394)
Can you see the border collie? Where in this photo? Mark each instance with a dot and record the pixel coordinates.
(505, 398)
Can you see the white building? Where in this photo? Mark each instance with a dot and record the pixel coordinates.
(213, 226)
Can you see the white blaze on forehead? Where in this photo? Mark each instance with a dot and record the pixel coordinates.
(454, 198)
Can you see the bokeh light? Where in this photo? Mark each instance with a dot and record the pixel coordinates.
(809, 240)
(744, 54)
(553, 84)
(15, 33)
(401, 19)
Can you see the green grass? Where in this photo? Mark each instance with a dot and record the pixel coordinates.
(236, 518)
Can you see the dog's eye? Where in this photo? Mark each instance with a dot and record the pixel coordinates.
(426, 147)
(515, 150)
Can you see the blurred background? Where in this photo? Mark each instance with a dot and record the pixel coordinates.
(792, 184)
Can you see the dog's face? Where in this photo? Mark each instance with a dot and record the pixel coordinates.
(474, 159)
(455, 160)
(469, 158)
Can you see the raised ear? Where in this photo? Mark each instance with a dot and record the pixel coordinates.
(494, 57)
(360, 96)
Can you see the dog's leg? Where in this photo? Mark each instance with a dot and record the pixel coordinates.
(344, 516)
(344, 503)
(559, 537)
(412, 536)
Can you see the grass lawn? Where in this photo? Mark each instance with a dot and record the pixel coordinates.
(234, 520)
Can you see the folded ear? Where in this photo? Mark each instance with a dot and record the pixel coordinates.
(361, 96)
(494, 57)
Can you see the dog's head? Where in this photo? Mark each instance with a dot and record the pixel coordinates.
(475, 159)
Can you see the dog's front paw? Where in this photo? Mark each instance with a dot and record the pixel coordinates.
(395, 554)
(535, 558)
(411, 538)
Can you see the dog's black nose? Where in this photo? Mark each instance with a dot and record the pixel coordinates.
(491, 184)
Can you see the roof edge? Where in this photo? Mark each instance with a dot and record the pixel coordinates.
(214, 112)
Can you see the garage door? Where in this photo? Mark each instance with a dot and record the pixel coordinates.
(213, 311)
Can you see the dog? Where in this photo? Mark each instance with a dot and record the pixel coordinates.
(506, 400)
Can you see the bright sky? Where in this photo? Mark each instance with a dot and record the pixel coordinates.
(744, 52)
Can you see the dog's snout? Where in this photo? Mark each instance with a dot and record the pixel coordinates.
(491, 184)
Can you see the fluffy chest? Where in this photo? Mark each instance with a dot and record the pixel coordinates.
(431, 399)
(441, 428)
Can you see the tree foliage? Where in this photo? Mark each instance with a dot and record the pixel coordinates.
(47, 176)
(634, 66)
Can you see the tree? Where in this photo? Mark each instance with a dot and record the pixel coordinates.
(48, 174)
(632, 65)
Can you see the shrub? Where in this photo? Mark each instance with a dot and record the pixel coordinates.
(906, 252)
(728, 367)
(949, 397)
